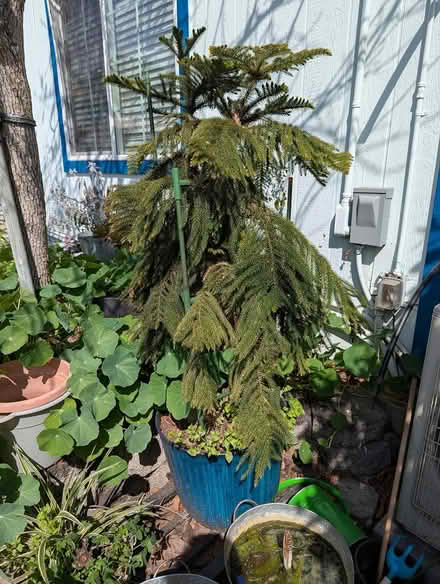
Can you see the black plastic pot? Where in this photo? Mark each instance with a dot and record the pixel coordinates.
(113, 306)
(101, 248)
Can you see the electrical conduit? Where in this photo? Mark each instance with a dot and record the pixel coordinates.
(342, 227)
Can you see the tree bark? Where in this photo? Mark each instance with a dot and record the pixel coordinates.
(20, 140)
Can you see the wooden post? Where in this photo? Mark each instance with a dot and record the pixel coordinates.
(14, 226)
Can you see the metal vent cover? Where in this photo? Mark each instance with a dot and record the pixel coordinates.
(419, 501)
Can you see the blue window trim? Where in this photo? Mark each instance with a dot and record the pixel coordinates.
(106, 166)
(431, 295)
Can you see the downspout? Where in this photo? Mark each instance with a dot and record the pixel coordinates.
(342, 226)
(418, 113)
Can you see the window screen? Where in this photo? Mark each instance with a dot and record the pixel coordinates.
(133, 30)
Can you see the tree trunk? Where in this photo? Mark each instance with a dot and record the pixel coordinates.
(20, 140)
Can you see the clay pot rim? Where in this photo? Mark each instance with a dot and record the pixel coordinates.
(62, 371)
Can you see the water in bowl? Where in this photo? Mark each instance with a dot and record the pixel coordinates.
(277, 553)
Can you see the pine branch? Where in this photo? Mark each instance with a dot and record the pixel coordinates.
(204, 327)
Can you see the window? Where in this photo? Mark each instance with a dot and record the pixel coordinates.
(90, 39)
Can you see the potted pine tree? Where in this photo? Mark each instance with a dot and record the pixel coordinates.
(259, 289)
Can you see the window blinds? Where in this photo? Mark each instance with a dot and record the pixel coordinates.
(133, 31)
(80, 50)
(98, 37)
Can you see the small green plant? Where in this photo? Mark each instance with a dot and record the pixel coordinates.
(110, 402)
(216, 438)
(18, 492)
(70, 540)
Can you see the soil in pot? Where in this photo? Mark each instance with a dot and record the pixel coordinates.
(279, 554)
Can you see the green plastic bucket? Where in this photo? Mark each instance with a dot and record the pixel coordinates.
(324, 500)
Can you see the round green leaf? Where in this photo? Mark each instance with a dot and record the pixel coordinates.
(100, 341)
(30, 318)
(72, 277)
(176, 405)
(102, 407)
(83, 428)
(116, 470)
(144, 399)
(137, 438)
(336, 321)
(122, 367)
(170, 366)
(52, 318)
(305, 452)
(324, 382)
(112, 428)
(12, 338)
(12, 522)
(38, 354)
(129, 408)
(83, 362)
(29, 493)
(9, 283)
(114, 436)
(50, 291)
(53, 420)
(127, 393)
(55, 441)
(314, 365)
(157, 388)
(84, 382)
(100, 402)
(68, 410)
(360, 359)
(286, 365)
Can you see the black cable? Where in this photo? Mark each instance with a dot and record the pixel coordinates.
(396, 334)
(289, 197)
(15, 119)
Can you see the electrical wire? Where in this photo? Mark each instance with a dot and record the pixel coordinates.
(398, 330)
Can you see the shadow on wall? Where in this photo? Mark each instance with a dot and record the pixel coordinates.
(259, 25)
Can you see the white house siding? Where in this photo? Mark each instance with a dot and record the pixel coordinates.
(394, 45)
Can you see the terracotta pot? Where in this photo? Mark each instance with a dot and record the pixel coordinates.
(26, 398)
(25, 389)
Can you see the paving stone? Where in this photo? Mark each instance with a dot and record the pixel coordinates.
(361, 499)
(366, 461)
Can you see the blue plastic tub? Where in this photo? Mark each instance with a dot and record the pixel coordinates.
(210, 488)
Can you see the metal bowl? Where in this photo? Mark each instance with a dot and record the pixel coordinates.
(299, 518)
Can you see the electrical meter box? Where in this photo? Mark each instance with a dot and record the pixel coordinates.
(370, 216)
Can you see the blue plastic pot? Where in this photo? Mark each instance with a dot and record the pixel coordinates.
(210, 488)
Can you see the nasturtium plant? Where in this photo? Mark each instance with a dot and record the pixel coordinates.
(361, 360)
(17, 492)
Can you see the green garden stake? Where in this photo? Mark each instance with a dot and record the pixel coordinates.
(177, 183)
(326, 501)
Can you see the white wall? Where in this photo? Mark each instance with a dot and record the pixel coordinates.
(386, 109)
(40, 76)
(394, 44)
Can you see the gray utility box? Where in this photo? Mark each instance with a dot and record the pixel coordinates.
(370, 216)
